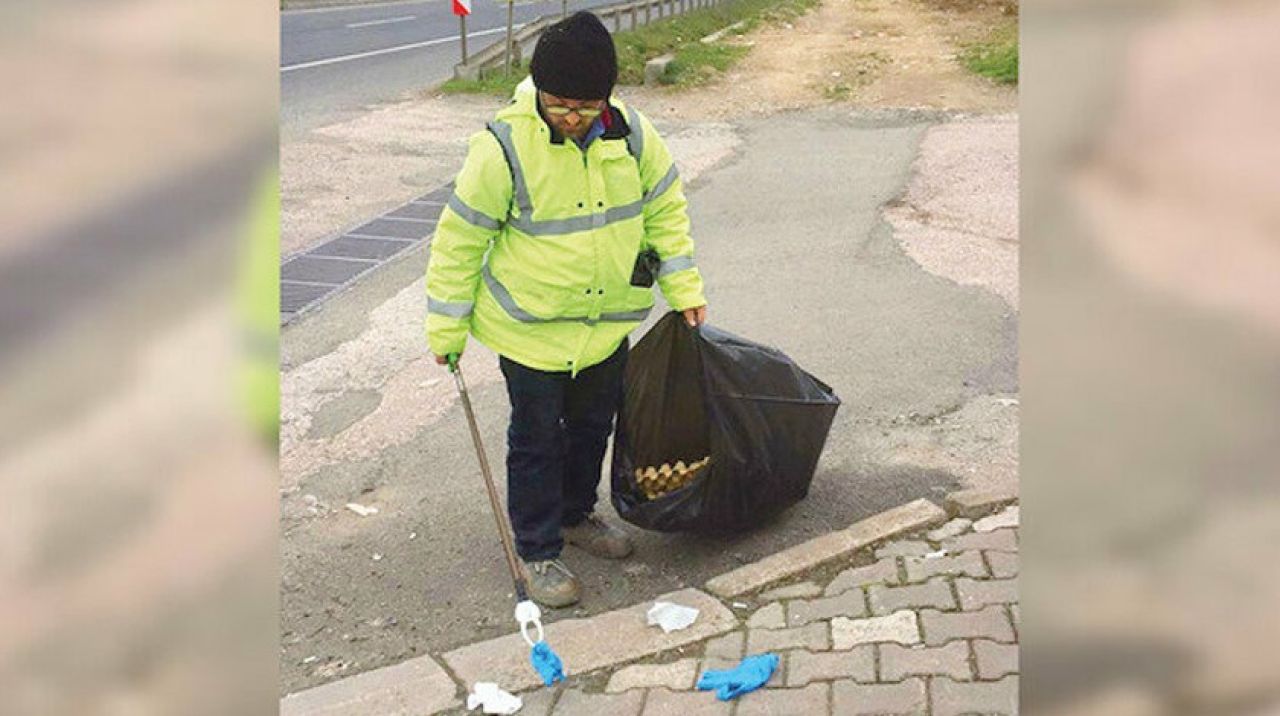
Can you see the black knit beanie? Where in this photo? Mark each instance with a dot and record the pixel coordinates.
(575, 59)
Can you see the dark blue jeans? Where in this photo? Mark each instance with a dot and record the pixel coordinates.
(555, 446)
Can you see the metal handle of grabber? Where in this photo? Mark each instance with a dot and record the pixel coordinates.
(527, 612)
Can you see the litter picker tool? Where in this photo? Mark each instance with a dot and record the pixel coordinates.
(544, 660)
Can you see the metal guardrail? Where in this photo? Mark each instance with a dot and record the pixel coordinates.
(639, 12)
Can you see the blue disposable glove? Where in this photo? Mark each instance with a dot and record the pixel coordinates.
(546, 663)
(750, 674)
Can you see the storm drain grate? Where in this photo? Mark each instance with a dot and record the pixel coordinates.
(309, 278)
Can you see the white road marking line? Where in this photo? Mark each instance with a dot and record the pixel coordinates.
(388, 21)
(349, 7)
(388, 50)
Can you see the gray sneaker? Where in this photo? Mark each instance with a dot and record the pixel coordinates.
(551, 584)
(595, 536)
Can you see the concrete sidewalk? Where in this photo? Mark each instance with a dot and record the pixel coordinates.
(925, 621)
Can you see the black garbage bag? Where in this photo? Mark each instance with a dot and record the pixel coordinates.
(693, 393)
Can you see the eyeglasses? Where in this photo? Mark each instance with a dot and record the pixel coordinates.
(584, 112)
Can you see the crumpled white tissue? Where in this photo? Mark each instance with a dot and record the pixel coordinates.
(493, 699)
(671, 617)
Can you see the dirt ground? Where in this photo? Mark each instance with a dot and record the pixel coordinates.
(866, 53)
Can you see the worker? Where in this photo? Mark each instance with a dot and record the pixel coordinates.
(566, 211)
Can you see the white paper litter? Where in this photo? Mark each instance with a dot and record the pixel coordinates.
(671, 617)
(493, 699)
(935, 555)
(361, 509)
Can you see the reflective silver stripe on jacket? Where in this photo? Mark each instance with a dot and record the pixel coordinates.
(502, 132)
(624, 316)
(663, 184)
(472, 216)
(452, 309)
(674, 264)
(504, 299)
(635, 138)
(578, 223)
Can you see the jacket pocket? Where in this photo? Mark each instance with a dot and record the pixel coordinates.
(622, 179)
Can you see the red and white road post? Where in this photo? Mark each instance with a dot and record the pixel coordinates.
(462, 8)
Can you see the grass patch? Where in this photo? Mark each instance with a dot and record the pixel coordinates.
(996, 58)
(838, 91)
(495, 83)
(697, 63)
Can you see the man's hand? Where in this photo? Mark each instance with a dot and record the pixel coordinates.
(444, 360)
(695, 316)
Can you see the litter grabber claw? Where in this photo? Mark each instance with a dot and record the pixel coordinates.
(528, 613)
(544, 660)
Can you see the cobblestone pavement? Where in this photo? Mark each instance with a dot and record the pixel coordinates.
(926, 624)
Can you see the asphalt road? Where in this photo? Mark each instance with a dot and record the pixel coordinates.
(796, 254)
(334, 61)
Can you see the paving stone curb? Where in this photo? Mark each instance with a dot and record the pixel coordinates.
(976, 503)
(821, 550)
(416, 686)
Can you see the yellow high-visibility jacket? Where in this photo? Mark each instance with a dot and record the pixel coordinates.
(535, 251)
(258, 306)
